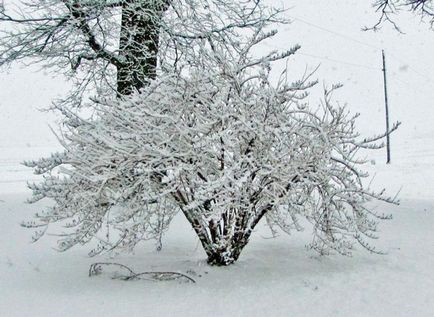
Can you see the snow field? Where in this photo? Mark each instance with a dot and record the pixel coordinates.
(275, 277)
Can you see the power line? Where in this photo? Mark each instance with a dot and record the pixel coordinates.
(326, 58)
(394, 77)
(339, 61)
(349, 38)
(426, 77)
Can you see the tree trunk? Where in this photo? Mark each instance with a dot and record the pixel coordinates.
(225, 256)
(139, 43)
(227, 238)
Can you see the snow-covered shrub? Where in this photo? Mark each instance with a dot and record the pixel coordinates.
(215, 138)
(225, 155)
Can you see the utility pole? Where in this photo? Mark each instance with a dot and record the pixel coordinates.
(387, 109)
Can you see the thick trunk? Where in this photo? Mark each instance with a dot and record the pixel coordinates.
(139, 42)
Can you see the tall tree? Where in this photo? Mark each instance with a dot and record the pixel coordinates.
(112, 46)
(139, 43)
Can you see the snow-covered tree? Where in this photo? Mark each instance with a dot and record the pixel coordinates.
(113, 47)
(215, 138)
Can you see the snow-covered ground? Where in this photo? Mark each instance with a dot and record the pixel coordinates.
(274, 277)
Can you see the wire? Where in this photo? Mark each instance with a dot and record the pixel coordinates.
(426, 77)
(349, 38)
(395, 77)
(340, 61)
(328, 59)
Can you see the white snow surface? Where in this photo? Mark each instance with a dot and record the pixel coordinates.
(273, 277)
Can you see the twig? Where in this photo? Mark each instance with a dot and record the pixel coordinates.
(96, 269)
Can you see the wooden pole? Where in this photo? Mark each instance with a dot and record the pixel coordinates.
(387, 109)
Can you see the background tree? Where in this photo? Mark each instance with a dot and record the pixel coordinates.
(387, 8)
(108, 47)
(215, 138)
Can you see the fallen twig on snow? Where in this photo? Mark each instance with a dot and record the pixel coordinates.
(96, 269)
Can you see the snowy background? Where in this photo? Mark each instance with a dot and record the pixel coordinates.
(274, 277)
